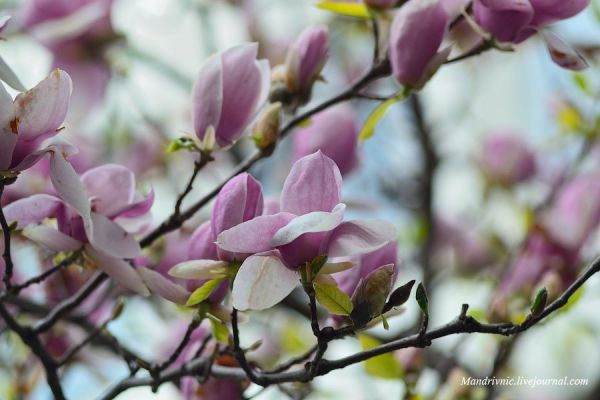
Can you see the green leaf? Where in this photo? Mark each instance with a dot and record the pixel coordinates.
(182, 143)
(219, 330)
(202, 293)
(347, 8)
(383, 366)
(377, 114)
(384, 320)
(422, 299)
(333, 299)
(582, 83)
(540, 302)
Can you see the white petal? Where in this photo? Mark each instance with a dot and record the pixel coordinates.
(51, 238)
(122, 272)
(261, 282)
(199, 269)
(163, 287)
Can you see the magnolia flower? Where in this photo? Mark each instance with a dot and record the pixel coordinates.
(516, 20)
(505, 159)
(239, 200)
(309, 224)
(30, 119)
(98, 212)
(334, 132)
(417, 32)
(306, 58)
(228, 92)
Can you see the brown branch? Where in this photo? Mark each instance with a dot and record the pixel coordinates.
(8, 262)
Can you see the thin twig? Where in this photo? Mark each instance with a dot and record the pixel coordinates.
(8, 262)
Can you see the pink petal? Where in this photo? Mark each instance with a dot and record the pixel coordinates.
(32, 209)
(202, 244)
(261, 282)
(138, 208)
(8, 75)
(208, 96)
(563, 54)
(242, 86)
(359, 237)
(111, 238)
(51, 238)
(318, 221)
(119, 270)
(313, 184)
(253, 236)
(111, 188)
(163, 287)
(41, 110)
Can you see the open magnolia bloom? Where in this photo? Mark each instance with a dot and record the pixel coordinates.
(7, 75)
(310, 224)
(239, 200)
(98, 213)
(30, 119)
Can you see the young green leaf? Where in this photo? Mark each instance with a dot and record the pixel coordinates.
(347, 8)
(333, 299)
(383, 366)
(540, 302)
(422, 300)
(219, 330)
(377, 114)
(202, 293)
(399, 296)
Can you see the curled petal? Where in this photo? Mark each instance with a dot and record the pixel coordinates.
(118, 269)
(261, 282)
(208, 96)
(318, 221)
(32, 210)
(359, 237)
(111, 238)
(163, 287)
(138, 208)
(51, 238)
(253, 236)
(314, 184)
(111, 188)
(41, 110)
(563, 54)
(200, 269)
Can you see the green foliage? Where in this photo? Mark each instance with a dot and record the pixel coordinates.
(333, 299)
(346, 8)
(202, 293)
(384, 366)
(422, 299)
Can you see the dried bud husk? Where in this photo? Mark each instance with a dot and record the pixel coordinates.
(266, 131)
(374, 290)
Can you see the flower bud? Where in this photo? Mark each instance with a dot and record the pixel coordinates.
(240, 200)
(306, 58)
(415, 38)
(506, 20)
(230, 88)
(334, 132)
(506, 160)
(374, 289)
(266, 130)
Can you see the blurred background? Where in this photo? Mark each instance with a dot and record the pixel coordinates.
(469, 229)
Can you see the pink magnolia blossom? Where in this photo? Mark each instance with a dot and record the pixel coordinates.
(31, 118)
(505, 159)
(228, 92)
(238, 201)
(516, 20)
(306, 58)
(309, 224)
(334, 132)
(417, 32)
(99, 212)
